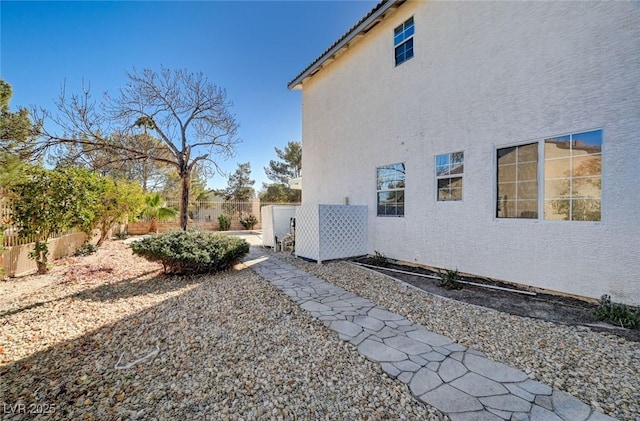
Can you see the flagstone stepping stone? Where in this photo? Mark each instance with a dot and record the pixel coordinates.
(493, 370)
(430, 338)
(407, 345)
(346, 327)
(379, 352)
(461, 382)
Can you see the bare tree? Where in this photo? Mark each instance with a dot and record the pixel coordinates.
(186, 112)
(150, 174)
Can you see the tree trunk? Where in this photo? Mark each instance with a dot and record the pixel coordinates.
(154, 225)
(184, 199)
(40, 251)
(42, 266)
(41, 262)
(104, 230)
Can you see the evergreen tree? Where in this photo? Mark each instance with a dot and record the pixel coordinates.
(289, 166)
(280, 172)
(240, 184)
(17, 135)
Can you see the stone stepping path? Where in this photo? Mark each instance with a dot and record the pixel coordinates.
(461, 382)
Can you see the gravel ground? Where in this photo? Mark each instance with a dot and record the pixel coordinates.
(598, 368)
(109, 338)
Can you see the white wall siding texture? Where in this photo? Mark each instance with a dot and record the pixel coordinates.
(486, 75)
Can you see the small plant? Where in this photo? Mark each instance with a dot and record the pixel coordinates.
(122, 235)
(248, 221)
(85, 249)
(379, 259)
(616, 313)
(191, 252)
(449, 279)
(224, 221)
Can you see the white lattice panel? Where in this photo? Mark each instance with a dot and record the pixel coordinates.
(307, 232)
(325, 232)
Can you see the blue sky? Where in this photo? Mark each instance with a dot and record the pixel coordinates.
(250, 48)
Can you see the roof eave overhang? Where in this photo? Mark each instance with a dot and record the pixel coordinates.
(359, 30)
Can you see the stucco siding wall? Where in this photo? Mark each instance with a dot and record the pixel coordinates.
(486, 75)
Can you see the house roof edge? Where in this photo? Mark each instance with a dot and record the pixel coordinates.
(362, 26)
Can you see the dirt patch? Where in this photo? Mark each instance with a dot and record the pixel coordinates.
(552, 308)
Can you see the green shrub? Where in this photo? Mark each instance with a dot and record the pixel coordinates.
(122, 235)
(616, 313)
(85, 249)
(248, 221)
(379, 259)
(449, 279)
(224, 221)
(186, 252)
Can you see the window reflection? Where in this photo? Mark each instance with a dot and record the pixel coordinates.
(518, 182)
(449, 173)
(403, 41)
(390, 182)
(573, 177)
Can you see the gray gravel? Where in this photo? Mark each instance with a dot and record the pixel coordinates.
(228, 346)
(597, 368)
(231, 346)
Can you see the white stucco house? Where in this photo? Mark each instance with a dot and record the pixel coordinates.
(498, 138)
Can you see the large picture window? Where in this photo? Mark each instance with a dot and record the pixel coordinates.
(403, 41)
(571, 174)
(390, 184)
(449, 172)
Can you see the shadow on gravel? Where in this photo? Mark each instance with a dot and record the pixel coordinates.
(126, 288)
(139, 285)
(78, 379)
(27, 307)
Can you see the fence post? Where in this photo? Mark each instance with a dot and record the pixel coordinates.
(255, 211)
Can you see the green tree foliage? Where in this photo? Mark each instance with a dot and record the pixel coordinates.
(240, 184)
(197, 191)
(15, 127)
(279, 193)
(150, 174)
(156, 209)
(120, 199)
(186, 112)
(50, 201)
(280, 172)
(17, 135)
(289, 166)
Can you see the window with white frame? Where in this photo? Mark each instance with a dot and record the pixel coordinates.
(449, 173)
(571, 174)
(390, 184)
(573, 177)
(518, 182)
(403, 41)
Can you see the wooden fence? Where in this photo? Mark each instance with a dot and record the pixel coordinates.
(15, 260)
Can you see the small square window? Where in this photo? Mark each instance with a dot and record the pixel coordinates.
(403, 41)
